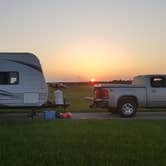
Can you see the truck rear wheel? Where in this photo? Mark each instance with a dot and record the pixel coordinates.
(127, 108)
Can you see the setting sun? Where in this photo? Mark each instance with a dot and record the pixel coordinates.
(106, 40)
(92, 80)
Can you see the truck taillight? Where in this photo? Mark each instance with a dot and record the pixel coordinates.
(100, 93)
(105, 93)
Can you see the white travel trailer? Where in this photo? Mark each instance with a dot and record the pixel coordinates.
(22, 83)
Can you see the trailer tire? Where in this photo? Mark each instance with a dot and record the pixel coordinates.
(127, 108)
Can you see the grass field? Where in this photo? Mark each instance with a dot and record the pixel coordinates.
(83, 143)
(75, 95)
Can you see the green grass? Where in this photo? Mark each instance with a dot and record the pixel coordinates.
(75, 95)
(83, 143)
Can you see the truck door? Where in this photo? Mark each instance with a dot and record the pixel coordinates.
(157, 92)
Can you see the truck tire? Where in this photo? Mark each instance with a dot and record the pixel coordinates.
(127, 108)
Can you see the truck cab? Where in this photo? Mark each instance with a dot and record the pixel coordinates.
(156, 91)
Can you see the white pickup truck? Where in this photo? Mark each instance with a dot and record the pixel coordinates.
(145, 91)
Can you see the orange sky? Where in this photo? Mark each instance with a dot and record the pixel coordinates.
(102, 60)
(78, 40)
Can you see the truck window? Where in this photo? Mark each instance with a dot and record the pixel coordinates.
(9, 78)
(158, 82)
(139, 81)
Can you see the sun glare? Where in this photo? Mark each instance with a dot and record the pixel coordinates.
(92, 80)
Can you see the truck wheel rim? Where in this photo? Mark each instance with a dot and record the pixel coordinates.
(127, 109)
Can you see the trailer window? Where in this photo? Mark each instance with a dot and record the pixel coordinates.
(9, 78)
(158, 82)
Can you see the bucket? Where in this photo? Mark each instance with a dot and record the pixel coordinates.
(49, 115)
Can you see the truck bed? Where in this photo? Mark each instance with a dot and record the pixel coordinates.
(119, 86)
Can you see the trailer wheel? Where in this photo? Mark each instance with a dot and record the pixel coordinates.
(127, 108)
